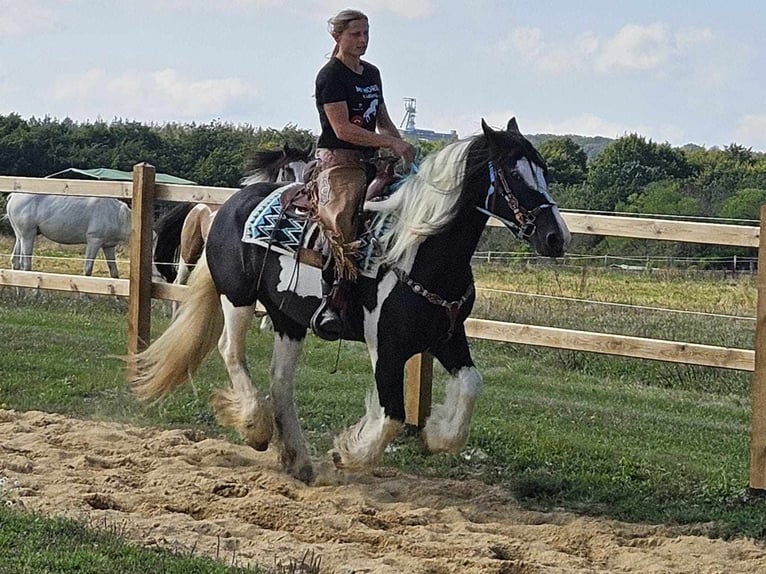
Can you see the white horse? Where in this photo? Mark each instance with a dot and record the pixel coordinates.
(99, 222)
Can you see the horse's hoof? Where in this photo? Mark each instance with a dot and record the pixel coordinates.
(306, 474)
(337, 460)
(260, 446)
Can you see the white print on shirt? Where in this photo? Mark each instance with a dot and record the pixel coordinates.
(370, 113)
(367, 90)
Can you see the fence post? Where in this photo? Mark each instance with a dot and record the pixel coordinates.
(758, 416)
(417, 389)
(140, 283)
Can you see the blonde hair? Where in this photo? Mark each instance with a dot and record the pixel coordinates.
(338, 23)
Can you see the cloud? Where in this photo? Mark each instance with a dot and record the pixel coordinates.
(654, 47)
(530, 44)
(751, 132)
(162, 95)
(410, 9)
(24, 17)
(635, 47)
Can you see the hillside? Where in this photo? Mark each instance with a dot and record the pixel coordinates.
(591, 145)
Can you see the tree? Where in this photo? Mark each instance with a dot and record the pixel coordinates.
(661, 198)
(565, 159)
(744, 204)
(628, 165)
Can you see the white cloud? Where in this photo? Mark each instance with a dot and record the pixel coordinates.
(637, 48)
(151, 96)
(750, 132)
(24, 17)
(411, 9)
(632, 48)
(531, 46)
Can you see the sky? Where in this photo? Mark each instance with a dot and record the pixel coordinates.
(690, 71)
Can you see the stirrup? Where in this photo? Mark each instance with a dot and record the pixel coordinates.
(326, 323)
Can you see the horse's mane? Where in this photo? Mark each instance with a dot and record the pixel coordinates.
(425, 203)
(264, 164)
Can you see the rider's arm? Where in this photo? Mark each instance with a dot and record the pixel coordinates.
(337, 114)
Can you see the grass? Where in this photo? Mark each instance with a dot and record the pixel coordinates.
(31, 544)
(620, 438)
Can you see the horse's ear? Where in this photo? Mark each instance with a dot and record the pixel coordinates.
(488, 131)
(513, 126)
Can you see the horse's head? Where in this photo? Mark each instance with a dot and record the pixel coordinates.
(518, 192)
(293, 163)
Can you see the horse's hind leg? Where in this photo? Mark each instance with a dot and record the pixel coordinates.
(22, 253)
(288, 345)
(243, 406)
(110, 256)
(447, 428)
(91, 250)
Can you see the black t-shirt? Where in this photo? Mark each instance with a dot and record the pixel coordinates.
(363, 94)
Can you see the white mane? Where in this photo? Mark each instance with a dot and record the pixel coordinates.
(424, 203)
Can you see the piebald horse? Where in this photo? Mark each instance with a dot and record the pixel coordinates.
(416, 300)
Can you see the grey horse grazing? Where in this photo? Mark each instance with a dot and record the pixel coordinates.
(99, 222)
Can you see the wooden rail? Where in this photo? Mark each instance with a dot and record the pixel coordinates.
(140, 290)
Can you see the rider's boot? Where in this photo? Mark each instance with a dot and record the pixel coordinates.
(327, 321)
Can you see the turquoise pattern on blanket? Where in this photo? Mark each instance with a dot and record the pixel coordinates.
(267, 227)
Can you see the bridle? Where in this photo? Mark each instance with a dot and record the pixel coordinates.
(523, 225)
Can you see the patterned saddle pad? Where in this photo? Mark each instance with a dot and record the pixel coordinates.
(269, 227)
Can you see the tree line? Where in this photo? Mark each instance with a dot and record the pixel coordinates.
(638, 176)
(630, 174)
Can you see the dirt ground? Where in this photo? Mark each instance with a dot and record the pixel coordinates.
(178, 489)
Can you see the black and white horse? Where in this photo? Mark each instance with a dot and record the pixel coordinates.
(417, 301)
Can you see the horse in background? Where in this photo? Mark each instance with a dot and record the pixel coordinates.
(98, 222)
(181, 232)
(413, 297)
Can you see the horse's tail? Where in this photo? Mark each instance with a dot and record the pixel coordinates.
(168, 239)
(175, 356)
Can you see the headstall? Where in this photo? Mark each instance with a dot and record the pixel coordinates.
(523, 224)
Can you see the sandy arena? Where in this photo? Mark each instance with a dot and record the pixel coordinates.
(177, 489)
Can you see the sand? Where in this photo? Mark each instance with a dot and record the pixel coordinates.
(178, 489)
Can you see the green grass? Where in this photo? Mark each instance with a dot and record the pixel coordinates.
(31, 544)
(620, 438)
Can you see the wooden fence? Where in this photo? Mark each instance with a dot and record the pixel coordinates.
(140, 289)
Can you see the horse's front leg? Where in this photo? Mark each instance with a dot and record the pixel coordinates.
(288, 346)
(361, 446)
(447, 428)
(242, 407)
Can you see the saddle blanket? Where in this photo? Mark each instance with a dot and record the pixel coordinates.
(268, 227)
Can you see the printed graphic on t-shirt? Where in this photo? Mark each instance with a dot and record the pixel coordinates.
(371, 111)
(366, 107)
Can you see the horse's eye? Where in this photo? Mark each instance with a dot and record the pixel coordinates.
(515, 175)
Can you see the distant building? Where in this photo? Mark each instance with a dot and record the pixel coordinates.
(413, 133)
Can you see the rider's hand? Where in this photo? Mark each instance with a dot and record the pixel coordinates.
(404, 149)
